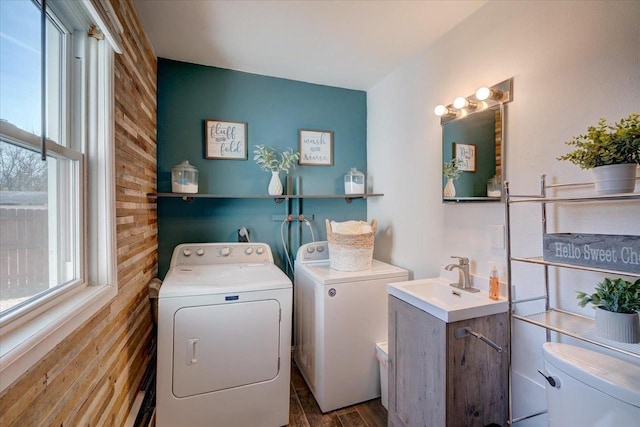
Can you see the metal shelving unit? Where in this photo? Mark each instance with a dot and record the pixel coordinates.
(553, 319)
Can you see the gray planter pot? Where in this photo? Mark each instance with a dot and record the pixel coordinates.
(621, 327)
(612, 179)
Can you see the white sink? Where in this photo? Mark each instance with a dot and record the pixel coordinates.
(445, 302)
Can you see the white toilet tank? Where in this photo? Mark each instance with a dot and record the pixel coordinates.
(592, 389)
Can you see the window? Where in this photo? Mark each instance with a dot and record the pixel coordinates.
(40, 201)
(57, 222)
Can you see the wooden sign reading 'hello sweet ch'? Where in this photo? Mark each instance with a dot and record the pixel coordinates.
(613, 252)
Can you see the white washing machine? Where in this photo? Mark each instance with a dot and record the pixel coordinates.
(224, 338)
(338, 319)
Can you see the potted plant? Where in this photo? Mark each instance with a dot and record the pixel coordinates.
(271, 161)
(617, 303)
(613, 152)
(451, 172)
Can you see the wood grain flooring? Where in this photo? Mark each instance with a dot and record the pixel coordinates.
(305, 412)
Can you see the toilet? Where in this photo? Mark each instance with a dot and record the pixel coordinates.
(591, 389)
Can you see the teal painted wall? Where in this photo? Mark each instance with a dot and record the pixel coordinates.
(275, 109)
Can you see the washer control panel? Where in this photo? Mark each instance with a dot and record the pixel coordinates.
(221, 253)
(316, 251)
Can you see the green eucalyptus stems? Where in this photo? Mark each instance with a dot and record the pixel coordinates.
(452, 169)
(271, 161)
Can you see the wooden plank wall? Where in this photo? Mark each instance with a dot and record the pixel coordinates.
(92, 377)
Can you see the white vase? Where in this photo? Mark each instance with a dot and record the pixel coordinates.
(275, 185)
(612, 179)
(449, 188)
(621, 327)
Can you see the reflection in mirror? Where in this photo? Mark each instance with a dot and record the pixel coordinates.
(476, 141)
(473, 135)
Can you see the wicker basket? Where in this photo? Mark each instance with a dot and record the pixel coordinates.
(350, 252)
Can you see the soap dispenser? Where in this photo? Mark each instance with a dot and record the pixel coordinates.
(494, 283)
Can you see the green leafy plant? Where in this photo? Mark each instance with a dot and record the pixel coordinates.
(452, 169)
(618, 296)
(271, 161)
(607, 145)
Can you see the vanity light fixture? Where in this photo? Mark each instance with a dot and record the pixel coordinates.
(485, 93)
(442, 110)
(485, 97)
(463, 103)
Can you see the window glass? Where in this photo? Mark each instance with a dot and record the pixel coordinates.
(40, 201)
(20, 64)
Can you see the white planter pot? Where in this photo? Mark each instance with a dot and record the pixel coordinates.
(449, 189)
(612, 179)
(621, 327)
(275, 185)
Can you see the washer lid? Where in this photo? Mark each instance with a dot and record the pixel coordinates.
(188, 280)
(322, 272)
(617, 378)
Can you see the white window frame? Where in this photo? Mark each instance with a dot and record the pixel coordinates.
(28, 334)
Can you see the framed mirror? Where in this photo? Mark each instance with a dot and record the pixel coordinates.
(473, 139)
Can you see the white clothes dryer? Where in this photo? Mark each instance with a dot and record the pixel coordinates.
(338, 319)
(224, 338)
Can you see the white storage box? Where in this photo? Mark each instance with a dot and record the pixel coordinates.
(382, 353)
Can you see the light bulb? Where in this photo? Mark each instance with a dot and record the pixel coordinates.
(483, 93)
(460, 103)
(440, 110)
(486, 93)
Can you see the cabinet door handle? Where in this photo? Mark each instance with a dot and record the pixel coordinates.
(466, 331)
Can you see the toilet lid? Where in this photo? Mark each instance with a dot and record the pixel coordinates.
(610, 375)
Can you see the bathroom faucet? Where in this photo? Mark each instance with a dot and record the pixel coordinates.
(464, 282)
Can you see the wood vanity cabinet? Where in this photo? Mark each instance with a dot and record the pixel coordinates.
(437, 380)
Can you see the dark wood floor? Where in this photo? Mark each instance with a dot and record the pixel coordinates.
(305, 412)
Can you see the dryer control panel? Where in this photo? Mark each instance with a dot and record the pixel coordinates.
(221, 253)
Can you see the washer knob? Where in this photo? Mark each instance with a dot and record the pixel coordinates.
(199, 251)
(248, 251)
(259, 250)
(186, 252)
(225, 251)
(320, 248)
(310, 249)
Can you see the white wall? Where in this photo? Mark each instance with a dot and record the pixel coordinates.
(572, 63)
